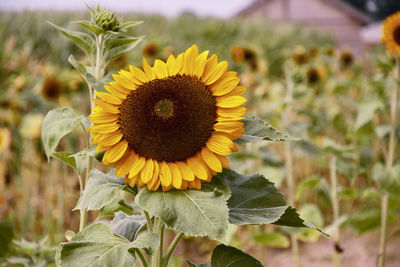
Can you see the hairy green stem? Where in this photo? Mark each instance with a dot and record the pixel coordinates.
(335, 208)
(142, 258)
(171, 249)
(389, 164)
(149, 223)
(158, 229)
(161, 248)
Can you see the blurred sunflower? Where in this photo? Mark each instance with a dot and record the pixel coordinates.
(313, 52)
(51, 88)
(172, 124)
(346, 58)
(237, 54)
(300, 56)
(4, 139)
(391, 33)
(315, 75)
(150, 50)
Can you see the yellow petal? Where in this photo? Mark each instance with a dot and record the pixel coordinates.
(215, 73)
(230, 101)
(224, 161)
(156, 185)
(110, 139)
(219, 144)
(104, 127)
(197, 167)
(160, 69)
(147, 172)
(228, 126)
(232, 112)
(133, 181)
(123, 166)
(137, 166)
(166, 188)
(196, 184)
(200, 64)
(115, 92)
(211, 159)
(175, 67)
(184, 185)
(148, 70)
(225, 86)
(123, 81)
(165, 174)
(190, 57)
(236, 135)
(176, 175)
(151, 185)
(108, 98)
(101, 148)
(186, 171)
(116, 152)
(100, 117)
(106, 106)
(238, 90)
(138, 74)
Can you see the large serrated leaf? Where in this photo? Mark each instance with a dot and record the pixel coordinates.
(96, 245)
(258, 130)
(194, 212)
(58, 123)
(227, 256)
(82, 40)
(255, 200)
(101, 190)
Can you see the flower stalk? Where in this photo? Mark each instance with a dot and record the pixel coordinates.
(335, 208)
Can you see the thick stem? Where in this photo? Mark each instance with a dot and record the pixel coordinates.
(289, 164)
(142, 258)
(149, 223)
(161, 248)
(158, 229)
(389, 164)
(335, 208)
(171, 249)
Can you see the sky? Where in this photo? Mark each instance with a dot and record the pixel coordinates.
(170, 8)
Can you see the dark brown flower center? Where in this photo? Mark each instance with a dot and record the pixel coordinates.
(396, 35)
(168, 119)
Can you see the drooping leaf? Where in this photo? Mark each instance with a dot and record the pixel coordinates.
(79, 163)
(82, 40)
(387, 180)
(58, 123)
(272, 239)
(227, 256)
(127, 225)
(258, 130)
(309, 183)
(119, 46)
(91, 27)
(6, 236)
(147, 241)
(194, 212)
(255, 200)
(101, 190)
(96, 245)
(366, 111)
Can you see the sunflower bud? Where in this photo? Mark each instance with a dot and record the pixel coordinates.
(106, 20)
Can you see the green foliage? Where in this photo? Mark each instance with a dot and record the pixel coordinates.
(272, 239)
(101, 190)
(127, 225)
(309, 183)
(6, 236)
(387, 180)
(258, 130)
(224, 256)
(96, 246)
(366, 111)
(58, 123)
(193, 212)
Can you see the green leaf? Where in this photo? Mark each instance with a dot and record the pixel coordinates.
(368, 220)
(270, 239)
(86, 73)
(115, 47)
(193, 212)
(258, 130)
(147, 241)
(255, 200)
(115, 206)
(96, 245)
(65, 156)
(82, 40)
(366, 111)
(101, 190)
(91, 27)
(6, 236)
(309, 183)
(387, 180)
(227, 256)
(126, 26)
(127, 225)
(58, 123)
(191, 264)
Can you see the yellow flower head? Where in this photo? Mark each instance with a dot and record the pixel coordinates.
(51, 88)
(300, 56)
(391, 33)
(150, 50)
(4, 139)
(172, 124)
(346, 58)
(237, 54)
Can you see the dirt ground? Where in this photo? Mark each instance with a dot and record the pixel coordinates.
(358, 251)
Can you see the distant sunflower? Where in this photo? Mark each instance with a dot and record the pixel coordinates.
(172, 124)
(346, 58)
(237, 54)
(300, 56)
(150, 50)
(391, 33)
(313, 75)
(314, 52)
(51, 88)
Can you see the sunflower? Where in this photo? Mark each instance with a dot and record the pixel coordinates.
(391, 33)
(346, 58)
(150, 50)
(172, 124)
(300, 56)
(237, 54)
(51, 88)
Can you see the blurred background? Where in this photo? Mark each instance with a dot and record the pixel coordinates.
(331, 49)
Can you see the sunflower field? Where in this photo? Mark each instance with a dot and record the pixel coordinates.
(140, 140)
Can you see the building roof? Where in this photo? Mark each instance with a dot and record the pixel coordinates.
(348, 9)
